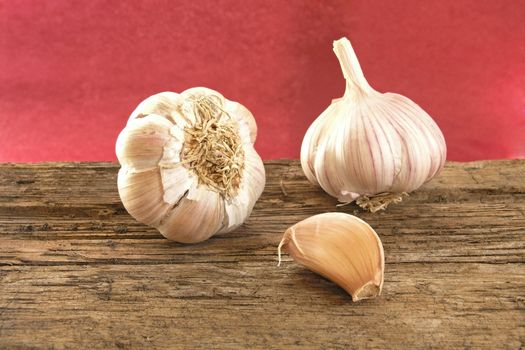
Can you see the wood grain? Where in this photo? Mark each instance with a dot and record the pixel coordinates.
(76, 271)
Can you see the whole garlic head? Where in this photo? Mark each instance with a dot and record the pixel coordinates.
(189, 167)
(369, 146)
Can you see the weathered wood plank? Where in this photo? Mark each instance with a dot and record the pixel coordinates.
(77, 271)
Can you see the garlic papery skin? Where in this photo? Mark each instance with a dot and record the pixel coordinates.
(189, 166)
(340, 247)
(369, 146)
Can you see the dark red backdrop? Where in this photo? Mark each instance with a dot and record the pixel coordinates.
(72, 71)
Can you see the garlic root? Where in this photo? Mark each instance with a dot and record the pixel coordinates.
(380, 201)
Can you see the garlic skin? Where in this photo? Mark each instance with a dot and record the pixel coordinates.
(189, 167)
(340, 247)
(368, 144)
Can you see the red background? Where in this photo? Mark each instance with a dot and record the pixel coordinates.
(72, 71)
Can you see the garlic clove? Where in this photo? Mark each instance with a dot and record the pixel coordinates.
(309, 148)
(381, 134)
(340, 247)
(190, 96)
(236, 210)
(252, 185)
(141, 143)
(142, 195)
(172, 149)
(245, 118)
(195, 218)
(200, 92)
(161, 104)
(426, 125)
(176, 181)
(373, 172)
(255, 173)
(328, 159)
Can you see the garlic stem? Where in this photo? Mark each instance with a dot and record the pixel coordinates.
(356, 83)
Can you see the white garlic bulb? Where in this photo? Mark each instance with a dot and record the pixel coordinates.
(189, 167)
(369, 146)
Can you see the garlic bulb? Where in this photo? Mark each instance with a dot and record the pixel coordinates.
(369, 146)
(189, 167)
(340, 247)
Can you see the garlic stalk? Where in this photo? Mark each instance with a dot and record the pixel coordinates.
(340, 247)
(369, 146)
(189, 167)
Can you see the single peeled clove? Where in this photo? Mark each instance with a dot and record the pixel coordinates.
(340, 247)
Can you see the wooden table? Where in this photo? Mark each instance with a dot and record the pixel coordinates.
(76, 271)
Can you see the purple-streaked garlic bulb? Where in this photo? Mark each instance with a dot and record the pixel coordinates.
(368, 146)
